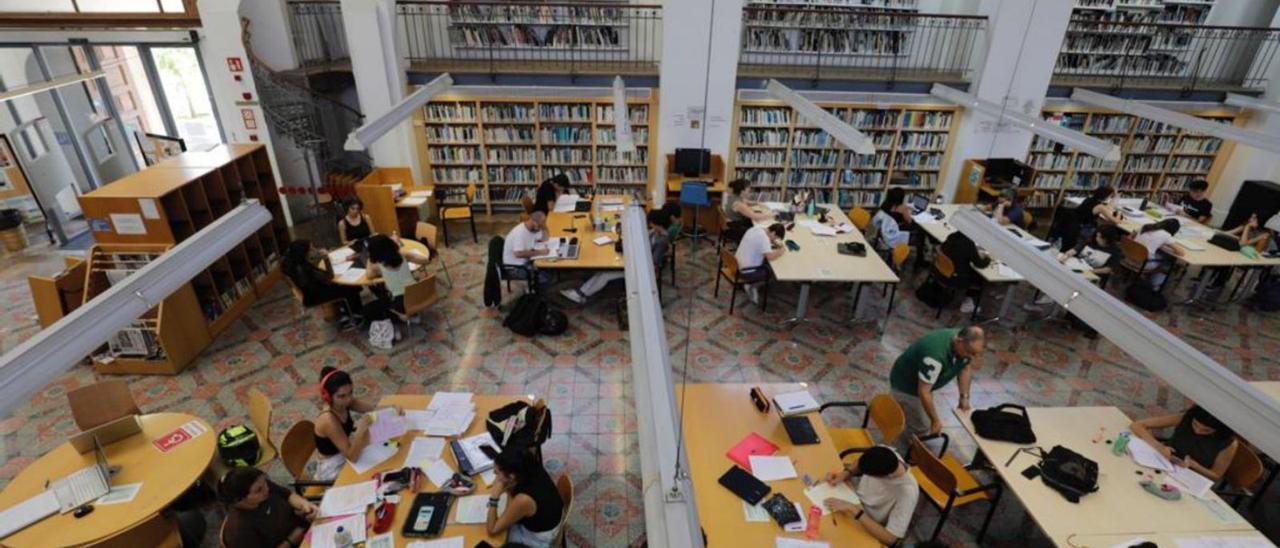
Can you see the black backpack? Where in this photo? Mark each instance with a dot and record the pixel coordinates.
(997, 424)
(520, 424)
(553, 321)
(1069, 473)
(1142, 295)
(238, 446)
(526, 315)
(1267, 297)
(934, 294)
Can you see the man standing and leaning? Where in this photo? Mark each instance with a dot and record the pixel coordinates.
(927, 365)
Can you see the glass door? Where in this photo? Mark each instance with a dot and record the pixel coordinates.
(187, 96)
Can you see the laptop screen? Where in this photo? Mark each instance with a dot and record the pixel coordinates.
(919, 202)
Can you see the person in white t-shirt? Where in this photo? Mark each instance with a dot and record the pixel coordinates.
(525, 241)
(887, 491)
(1157, 237)
(760, 243)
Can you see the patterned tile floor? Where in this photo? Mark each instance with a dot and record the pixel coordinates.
(585, 374)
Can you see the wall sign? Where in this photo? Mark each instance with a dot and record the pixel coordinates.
(235, 64)
(250, 120)
(128, 223)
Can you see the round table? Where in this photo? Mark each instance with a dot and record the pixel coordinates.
(363, 280)
(164, 476)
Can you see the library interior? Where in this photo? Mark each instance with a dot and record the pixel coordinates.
(640, 273)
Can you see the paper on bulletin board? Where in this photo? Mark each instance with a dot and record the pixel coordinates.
(149, 209)
(128, 223)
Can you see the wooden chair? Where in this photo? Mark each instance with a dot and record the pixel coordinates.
(860, 218)
(526, 202)
(1134, 257)
(260, 416)
(329, 309)
(296, 448)
(898, 257)
(564, 485)
(883, 410)
(947, 484)
(429, 235)
(419, 296)
(1244, 471)
(944, 272)
(100, 403)
(458, 212)
(728, 269)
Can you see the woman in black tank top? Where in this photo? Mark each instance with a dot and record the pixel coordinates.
(355, 224)
(534, 507)
(338, 436)
(1200, 441)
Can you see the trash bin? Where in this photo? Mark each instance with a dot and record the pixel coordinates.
(12, 232)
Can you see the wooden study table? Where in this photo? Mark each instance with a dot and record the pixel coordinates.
(1270, 388)
(471, 533)
(365, 281)
(590, 255)
(164, 477)
(1161, 539)
(1120, 506)
(819, 262)
(719, 416)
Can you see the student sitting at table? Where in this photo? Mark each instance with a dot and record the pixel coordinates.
(1101, 253)
(1158, 237)
(1200, 441)
(339, 437)
(1249, 234)
(1194, 204)
(549, 191)
(759, 245)
(355, 224)
(527, 240)
(890, 220)
(317, 285)
(1083, 221)
(739, 212)
(261, 513)
(391, 261)
(673, 211)
(887, 490)
(1008, 209)
(534, 506)
(658, 244)
(967, 259)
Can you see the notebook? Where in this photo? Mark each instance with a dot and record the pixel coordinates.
(753, 444)
(795, 403)
(745, 485)
(800, 430)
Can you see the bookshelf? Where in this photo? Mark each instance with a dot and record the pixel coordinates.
(168, 203)
(1096, 47)
(1157, 160)
(781, 152)
(508, 145)
(595, 25)
(855, 28)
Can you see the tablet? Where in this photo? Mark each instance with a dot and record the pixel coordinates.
(427, 516)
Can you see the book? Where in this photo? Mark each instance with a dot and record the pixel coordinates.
(753, 444)
(795, 403)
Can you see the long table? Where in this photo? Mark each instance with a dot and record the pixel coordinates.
(817, 261)
(1119, 507)
(709, 435)
(1270, 388)
(579, 225)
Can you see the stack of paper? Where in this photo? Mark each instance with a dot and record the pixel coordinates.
(351, 275)
(1194, 484)
(475, 508)
(771, 468)
(438, 471)
(819, 229)
(373, 455)
(924, 217)
(451, 414)
(795, 403)
(785, 542)
(471, 448)
(322, 534)
(348, 499)
(423, 451)
(566, 203)
(341, 255)
(821, 491)
(1145, 455)
(387, 425)
(421, 193)
(413, 201)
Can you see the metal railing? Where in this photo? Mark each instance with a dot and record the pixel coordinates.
(529, 37)
(1165, 56)
(319, 36)
(835, 42)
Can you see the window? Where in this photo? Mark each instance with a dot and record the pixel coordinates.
(34, 141)
(100, 141)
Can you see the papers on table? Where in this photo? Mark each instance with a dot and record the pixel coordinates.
(423, 451)
(602, 240)
(27, 512)
(474, 455)
(843, 228)
(1074, 263)
(776, 206)
(1195, 231)
(450, 414)
(819, 229)
(1191, 245)
(552, 249)
(341, 255)
(413, 201)
(448, 399)
(566, 203)
(754, 514)
(421, 193)
(1191, 482)
(475, 508)
(1145, 455)
(417, 419)
(439, 472)
(489, 476)
(322, 534)
(372, 455)
(787, 542)
(822, 491)
(1220, 510)
(611, 204)
(795, 403)
(351, 275)
(341, 268)
(348, 499)
(387, 425)
(1004, 271)
(385, 540)
(1224, 541)
(120, 494)
(451, 542)
(770, 468)
(924, 217)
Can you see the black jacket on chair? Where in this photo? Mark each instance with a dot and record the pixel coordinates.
(965, 256)
(492, 273)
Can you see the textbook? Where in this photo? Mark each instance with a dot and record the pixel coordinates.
(795, 403)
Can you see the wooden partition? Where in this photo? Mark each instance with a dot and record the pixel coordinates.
(56, 296)
(386, 212)
(708, 217)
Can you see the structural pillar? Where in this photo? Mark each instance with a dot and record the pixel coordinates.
(1023, 39)
(699, 69)
(379, 72)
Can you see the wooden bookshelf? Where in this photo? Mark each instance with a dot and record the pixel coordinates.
(597, 25)
(508, 145)
(1157, 160)
(832, 28)
(1095, 47)
(780, 152)
(171, 201)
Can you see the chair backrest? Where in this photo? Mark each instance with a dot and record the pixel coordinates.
(1135, 254)
(729, 263)
(859, 217)
(943, 265)
(100, 403)
(421, 294)
(296, 448)
(471, 193)
(427, 233)
(888, 417)
(564, 485)
(900, 253)
(1245, 468)
(260, 415)
(933, 469)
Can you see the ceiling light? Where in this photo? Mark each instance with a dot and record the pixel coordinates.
(1244, 101)
(371, 131)
(1185, 121)
(839, 130)
(1073, 139)
(622, 137)
(54, 83)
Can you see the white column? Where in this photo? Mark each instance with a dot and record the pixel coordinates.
(1248, 163)
(1023, 40)
(234, 93)
(270, 35)
(379, 73)
(698, 78)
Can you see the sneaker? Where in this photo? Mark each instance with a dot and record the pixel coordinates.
(573, 295)
(753, 293)
(967, 306)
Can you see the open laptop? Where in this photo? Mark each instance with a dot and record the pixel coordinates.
(919, 203)
(106, 434)
(84, 485)
(568, 248)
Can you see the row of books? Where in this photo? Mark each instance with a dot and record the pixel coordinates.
(755, 157)
(1143, 163)
(455, 175)
(510, 194)
(863, 198)
(574, 155)
(915, 119)
(609, 155)
(1093, 63)
(1106, 43)
(606, 136)
(861, 179)
(762, 176)
(917, 179)
(810, 178)
(1039, 199)
(637, 114)
(1050, 160)
(917, 160)
(763, 137)
(447, 112)
(1201, 145)
(1178, 182)
(579, 112)
(566, 135)
(511, 155)
(529, 37)
(462, 12)
(815, 158)
(576, 175)
(452, 133)
(1143, 143)
(1137, 181)
(879, 160)
(453, 154)
(508, 112)
(1048, 180)
(874, 118)
(928, 141)
(1110, 123)
(509, 134)
(623, 175)
(774, 116)
(849, 41)
(1186, 165)
(831, 19)
(507, 175)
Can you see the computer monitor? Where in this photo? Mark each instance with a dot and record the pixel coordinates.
(1007, 172)
(692, 162)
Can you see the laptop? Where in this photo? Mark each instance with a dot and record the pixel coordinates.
(85, 485)
(745, 485)
(568, 249)
(106, 434)
(919, 203)
(582, 206)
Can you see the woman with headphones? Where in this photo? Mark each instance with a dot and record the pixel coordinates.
(339, 437)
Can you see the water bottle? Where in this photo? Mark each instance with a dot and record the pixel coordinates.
(342, 538)
(815, 517)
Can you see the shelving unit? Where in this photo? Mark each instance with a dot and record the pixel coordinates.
(780, 152)
(858, 28)
(169, 202)
(508, 145)
(1157, 161)
(598, 25)
(1094, 48)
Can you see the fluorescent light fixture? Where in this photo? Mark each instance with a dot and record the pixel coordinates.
(622, 137)
(840, 130)
(1245, 101)
(1247, 410)
(670, 509)
(59, 347)
(55, 83)
(1073, 139)
(371, 131)
(1185, 121)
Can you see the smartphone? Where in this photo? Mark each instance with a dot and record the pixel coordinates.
(1031, 472)
(423, 520)
(792, 245)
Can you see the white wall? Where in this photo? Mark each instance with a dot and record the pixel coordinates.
(379, 72)
(269, 35)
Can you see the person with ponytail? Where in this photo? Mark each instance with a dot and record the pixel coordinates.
(339, 436)
(534, 507)
(261, 513)
(1157, 237)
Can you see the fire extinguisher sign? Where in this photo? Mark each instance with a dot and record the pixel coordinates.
(235, 64)
(250, 119)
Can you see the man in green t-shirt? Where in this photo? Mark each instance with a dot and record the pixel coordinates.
(927, 365)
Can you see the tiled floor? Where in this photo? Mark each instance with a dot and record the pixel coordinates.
(585, 375)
